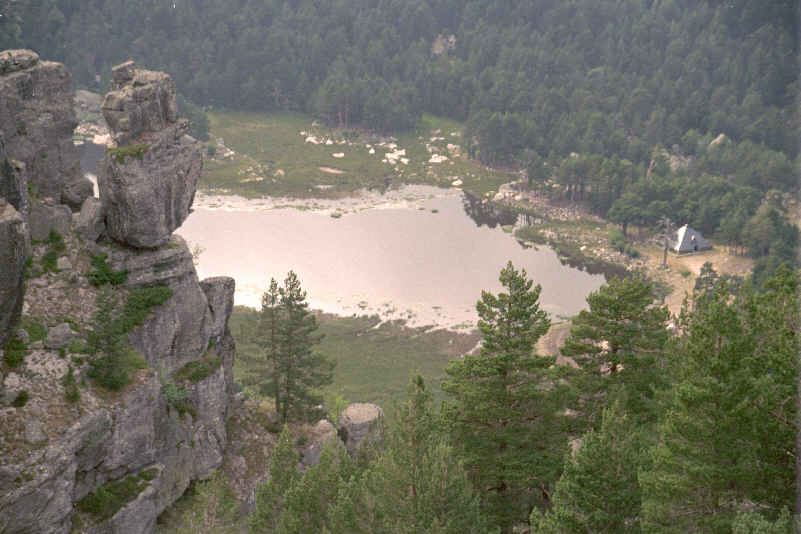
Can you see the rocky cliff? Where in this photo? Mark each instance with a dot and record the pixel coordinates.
(148, 181)
(107, 462)
(37, 118)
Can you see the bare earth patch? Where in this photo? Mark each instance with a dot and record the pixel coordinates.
(331, 170)
(690, 264)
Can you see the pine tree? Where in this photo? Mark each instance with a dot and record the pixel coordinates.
(262, 367)
(598, 490)
(417, 484)
(504, 404)
(107, 344)
(727, 436)
(286, 366)
(270, 496)
(307, 501)
(300, 370)
(618, 343)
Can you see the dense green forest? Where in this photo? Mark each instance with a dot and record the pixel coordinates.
(622, 103)
(637, 428)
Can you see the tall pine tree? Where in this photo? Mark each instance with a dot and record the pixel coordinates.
(271, 496)
(727, 435)
(618, 344)
(417, 484)
(598, 489)
(503, 410)
(287, 367)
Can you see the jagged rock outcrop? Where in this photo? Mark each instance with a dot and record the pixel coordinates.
(321, 434)
(148, 182)
(90, 222)
(13, 183)
(360, 423)
(14, 245)
(47, 215)
(56, 455)
(139, 101)
(37, 118)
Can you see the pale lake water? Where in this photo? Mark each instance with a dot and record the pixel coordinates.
(418, 253)
(393, 256)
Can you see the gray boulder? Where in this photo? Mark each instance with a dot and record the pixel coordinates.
(360, 423)
(90, 223)
(147, 196)
(321, 434)
(147, 184)
(37, 117)
(76, 191)
(59, 336)
(14, 250)
(46, 216)
(140, 101)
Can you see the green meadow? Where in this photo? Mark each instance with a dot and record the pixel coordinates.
(272, 158)
(373, 360)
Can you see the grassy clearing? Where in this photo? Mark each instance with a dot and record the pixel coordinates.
(373, 364)
(272, 158)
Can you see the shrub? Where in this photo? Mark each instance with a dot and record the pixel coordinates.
(20, 400)
(617, 239)
(14, 351)
(103, 273)
(36, 331)
(211, 149)
(108, 499)
(114, 371)
(71, 391)
(49, 260)
(78, 346)
(199, 370)
(530, 233)
(55, 241)
(122, 152)
(138, 304)
(55, 247)
(631, 252)
(176, 397)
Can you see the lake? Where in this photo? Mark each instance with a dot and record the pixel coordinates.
(412, 253)
(418, 253)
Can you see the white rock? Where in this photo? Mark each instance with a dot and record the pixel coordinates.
(338, 154)
(63, 264)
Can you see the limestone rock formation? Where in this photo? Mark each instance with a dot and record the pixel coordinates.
(148, 182)
(37, 118)
(140, 101)
(359, 423)
(14, 245)
(55, 455)
(46, 216)
(13, 184)
(321, 434)
(148, 196)
(90, 223)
